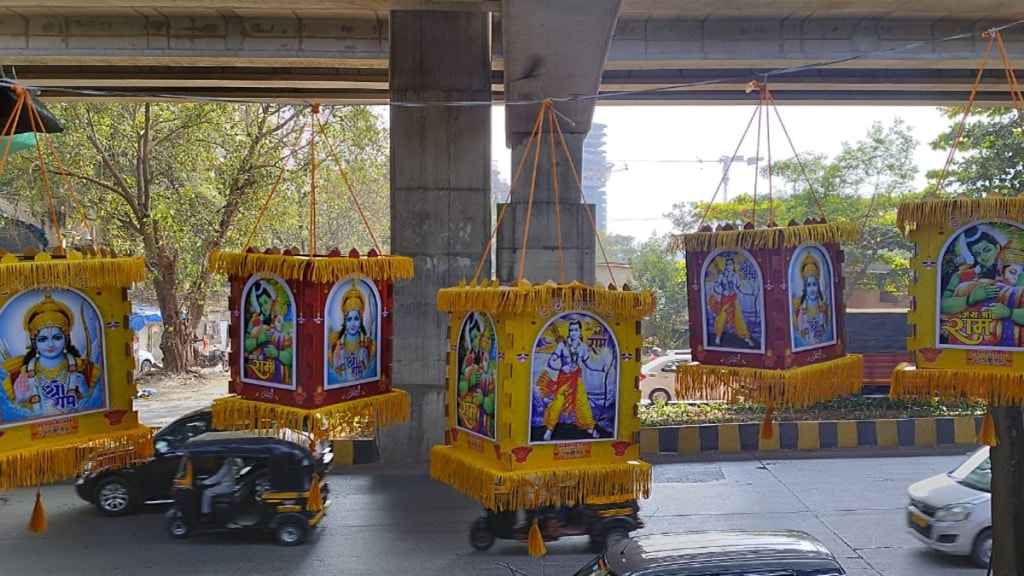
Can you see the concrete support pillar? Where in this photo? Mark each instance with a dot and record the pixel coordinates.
(440, 199)
(535, 34)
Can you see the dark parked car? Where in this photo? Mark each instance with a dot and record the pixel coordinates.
(717, 553)
(117, 492)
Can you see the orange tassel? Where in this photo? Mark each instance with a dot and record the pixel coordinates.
(315, 502)
(767, 430)
(535, 541)
(988, 430)
(38, 521)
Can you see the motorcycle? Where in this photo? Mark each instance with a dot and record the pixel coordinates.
(213, 359)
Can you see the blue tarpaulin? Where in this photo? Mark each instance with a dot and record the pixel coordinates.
(142, 315)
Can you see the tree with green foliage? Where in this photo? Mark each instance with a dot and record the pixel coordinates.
(987, 161)
(652, 268)
(176, 182)
(862, 184)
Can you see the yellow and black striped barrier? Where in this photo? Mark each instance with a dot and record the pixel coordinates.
(810, 435)
(351, 452)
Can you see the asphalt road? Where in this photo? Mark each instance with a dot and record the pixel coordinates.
(386, 522)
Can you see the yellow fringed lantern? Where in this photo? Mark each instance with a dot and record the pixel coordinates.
(67, 367)
(967, 317)
(310, 341)
(766, 315)
(541, 395)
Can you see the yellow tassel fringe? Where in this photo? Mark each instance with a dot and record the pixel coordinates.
(527, 297)
(322, 269)
(535, 541)
(940, 211)
(50, 463)
(998, 388)
(755, 238)
(515, 490)
(334, 421)
(794, 388)
(74, 271)
(314, 503)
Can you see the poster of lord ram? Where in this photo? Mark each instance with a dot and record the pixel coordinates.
(811, 298)
(353, 334)
(981, 288)
(51, 343)
(733, 302)
(268, 324)
(575, 375)
(477, 380)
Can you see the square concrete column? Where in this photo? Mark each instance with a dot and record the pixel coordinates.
(440, 199)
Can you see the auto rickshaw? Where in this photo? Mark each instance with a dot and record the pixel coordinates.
(274, 485)
(606, 521)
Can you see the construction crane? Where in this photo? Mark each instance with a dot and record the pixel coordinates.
(725, 161)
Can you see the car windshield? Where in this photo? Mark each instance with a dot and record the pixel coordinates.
(975, 472)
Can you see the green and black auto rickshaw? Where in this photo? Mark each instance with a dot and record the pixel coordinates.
(274, 485)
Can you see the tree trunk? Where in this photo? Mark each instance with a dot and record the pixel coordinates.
(1008, 492)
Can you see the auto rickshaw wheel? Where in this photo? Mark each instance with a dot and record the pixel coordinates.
(481, 538)
(290, 533)
(178, 528)
(614, 535)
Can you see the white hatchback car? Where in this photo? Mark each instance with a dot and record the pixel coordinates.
(658, 377)
(952, 512)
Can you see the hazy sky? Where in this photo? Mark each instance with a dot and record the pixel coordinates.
(669, 154)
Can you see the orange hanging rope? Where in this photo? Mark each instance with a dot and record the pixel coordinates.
(967, 110)
(270, 195)
(1011, 77)
(757, 149)
(46, 177)
(12, 122)
(554, 184)
(529, 205)
(796, 156)
(515, 181)
(312, 179)
(348, 185)
(583, 197)
(725, 172)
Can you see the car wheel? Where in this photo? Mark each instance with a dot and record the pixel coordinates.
(178, 528)
(614, 535)
(481, 538)
(982, 551)
(290, 533)
(115, 496)
(659, 395)
(146, 366)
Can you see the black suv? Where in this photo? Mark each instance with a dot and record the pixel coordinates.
(117, 492)
(121, 491)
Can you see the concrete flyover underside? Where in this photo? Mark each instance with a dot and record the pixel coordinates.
(880, 51)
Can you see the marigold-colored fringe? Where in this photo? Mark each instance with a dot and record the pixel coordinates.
(513, 490)
(794, 388)
(74, 271)
(59, 461)
(334, 421)
(937, 211)
(998, 388)
(783, 236)
(323, 269)
(527, 297)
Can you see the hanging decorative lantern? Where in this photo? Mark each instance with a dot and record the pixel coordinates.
(541, 394)
(310, 340)
(67, 367)
(967, 316)
(542, 390)
(310, 333)
(766, 314)
(766, 309)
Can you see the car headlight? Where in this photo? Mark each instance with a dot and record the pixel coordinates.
(954, 513)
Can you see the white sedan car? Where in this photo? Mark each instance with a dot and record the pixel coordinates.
(658, 377)
(952, 512)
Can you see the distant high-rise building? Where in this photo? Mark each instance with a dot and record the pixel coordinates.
(596, 169)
